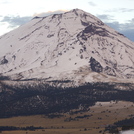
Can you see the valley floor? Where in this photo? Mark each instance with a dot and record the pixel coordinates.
(76, 121)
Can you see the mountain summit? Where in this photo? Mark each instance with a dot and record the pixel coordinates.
(74, 46)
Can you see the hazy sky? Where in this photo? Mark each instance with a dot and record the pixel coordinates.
(118, 14)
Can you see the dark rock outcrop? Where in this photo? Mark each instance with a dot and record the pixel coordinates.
(95, 65)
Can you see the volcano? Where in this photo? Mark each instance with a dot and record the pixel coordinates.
(74, 45)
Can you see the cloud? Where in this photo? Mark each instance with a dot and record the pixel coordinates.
(5, 2)
(92, 4)
(129, 33)
(105, 17)
(49, 13)
(14, 21)
(115, 25)
(126, 10)
(125, 28)
(120, 10)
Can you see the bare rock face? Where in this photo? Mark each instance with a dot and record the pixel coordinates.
(3, 61)
(109, 71)
(95, 65)
(71, 46)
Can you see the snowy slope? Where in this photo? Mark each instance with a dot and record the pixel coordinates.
(74, 45)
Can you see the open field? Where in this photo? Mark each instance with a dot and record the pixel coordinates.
(91, 121)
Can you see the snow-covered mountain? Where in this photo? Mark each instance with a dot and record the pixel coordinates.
(71, 46)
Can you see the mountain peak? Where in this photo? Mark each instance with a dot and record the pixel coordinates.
(77, 10)
(73, 46)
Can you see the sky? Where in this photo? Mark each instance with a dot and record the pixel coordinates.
(118, 14)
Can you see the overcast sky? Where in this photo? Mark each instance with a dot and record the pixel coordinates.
(118, 14)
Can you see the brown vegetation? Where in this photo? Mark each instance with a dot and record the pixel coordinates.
(74, 122)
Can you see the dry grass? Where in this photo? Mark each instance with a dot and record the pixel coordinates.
(102, 114)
